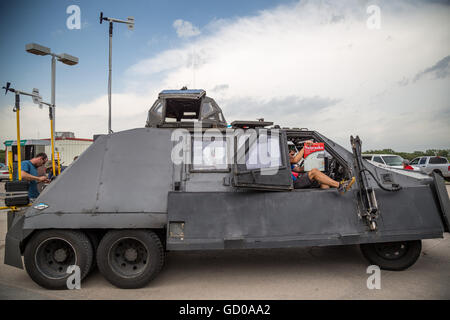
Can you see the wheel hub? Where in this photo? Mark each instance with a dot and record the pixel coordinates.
(53, 257)
(391, 251)
(128, 257)
(131, 254)
(60, 255)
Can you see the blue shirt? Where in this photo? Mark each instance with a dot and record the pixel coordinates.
(29, 168)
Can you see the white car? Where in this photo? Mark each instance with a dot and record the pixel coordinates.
(390, 160)
(4, 172)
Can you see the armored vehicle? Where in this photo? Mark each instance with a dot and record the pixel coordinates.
(188, 180)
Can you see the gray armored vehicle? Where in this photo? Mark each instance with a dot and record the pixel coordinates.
(190, 181)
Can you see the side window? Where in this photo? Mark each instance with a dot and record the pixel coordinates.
(367, 157)
(438, 160)
(221, 118)
(378, 159)
(206, 108)
(423, 160)
(158, 108)
(264, 153)
(415, 161)
(210, 155)
(260, 160)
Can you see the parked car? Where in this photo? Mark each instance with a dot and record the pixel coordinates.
(431, 164)
(390, 160)
(4, 172)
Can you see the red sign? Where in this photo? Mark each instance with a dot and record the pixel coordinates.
(319, 146)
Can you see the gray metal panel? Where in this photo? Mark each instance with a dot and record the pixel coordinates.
(75, 190)
(16, 233)
(122, 220)
(125, 172)
(444, 201)
(208, 181)
(315, 213)
(298, 218)
(411, 208)
(137, 172)
(294, 242)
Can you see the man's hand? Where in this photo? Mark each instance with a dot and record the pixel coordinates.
(43, 179)
(308, 143)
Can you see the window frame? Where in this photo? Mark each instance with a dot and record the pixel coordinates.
(281, 181)
(424, 162)
(381, 158)
(437, 163)
(197, 170)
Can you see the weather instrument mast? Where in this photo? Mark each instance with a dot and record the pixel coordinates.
(130, 24)
(36, 99)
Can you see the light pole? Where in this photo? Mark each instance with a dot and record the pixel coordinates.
(65, 58)
(130, 24)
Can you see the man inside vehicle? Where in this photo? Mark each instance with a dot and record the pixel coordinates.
(314, 177)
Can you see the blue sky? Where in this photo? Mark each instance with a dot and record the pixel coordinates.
(44, 22)
(315, 64)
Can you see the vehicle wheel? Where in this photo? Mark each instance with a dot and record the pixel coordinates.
(394, 256)
(95, 241)
(49, 253)
(130, 259)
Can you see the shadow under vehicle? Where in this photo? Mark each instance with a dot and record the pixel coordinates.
(125, 201)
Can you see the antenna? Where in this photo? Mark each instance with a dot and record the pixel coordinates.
(8, 84)
(130, 24)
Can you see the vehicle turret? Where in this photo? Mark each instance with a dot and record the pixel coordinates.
(182, 108)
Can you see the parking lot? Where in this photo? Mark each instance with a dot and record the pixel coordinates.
(337, 272)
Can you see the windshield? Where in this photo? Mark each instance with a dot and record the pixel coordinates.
(393, 160)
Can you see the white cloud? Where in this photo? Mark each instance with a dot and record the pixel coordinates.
(185, 29)
(85, 120)
(298, 65)
(304, 51)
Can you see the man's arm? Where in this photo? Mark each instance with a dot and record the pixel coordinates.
(29, 177)
(299, 155)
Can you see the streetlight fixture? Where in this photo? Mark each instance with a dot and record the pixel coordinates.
(65, 58)
(130, 24)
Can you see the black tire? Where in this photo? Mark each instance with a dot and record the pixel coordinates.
(131, 258)
(395, 256)
(49, 252)
(95, 241)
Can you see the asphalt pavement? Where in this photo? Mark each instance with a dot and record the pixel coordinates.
(337, 272)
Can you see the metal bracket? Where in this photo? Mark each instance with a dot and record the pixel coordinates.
(366, 194)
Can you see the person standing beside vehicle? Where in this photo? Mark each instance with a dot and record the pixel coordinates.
(30, 173)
